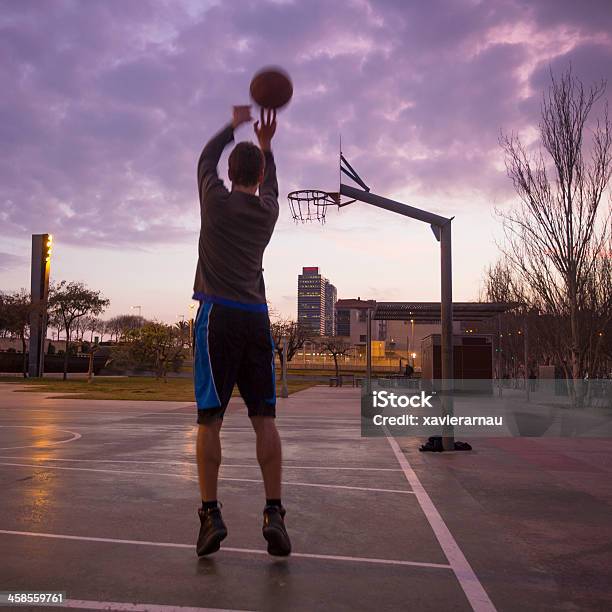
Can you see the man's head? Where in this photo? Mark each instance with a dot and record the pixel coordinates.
(246, 165)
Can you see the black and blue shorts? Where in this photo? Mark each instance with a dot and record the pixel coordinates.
(233, 345)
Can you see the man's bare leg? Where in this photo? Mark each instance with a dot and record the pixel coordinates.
(208, 455)
(269, 454)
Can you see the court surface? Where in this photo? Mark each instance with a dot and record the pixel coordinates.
(99, 500)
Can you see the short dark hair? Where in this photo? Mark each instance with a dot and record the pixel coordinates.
(246, 162)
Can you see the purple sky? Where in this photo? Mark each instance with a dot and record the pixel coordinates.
(106, 105)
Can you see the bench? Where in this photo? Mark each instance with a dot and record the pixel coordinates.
(340, 380)
(350, 377)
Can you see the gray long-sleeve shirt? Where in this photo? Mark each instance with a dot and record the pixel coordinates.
(235, 230)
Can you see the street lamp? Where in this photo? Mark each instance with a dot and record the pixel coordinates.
(191, 307)
(139, 314)
(284, 389)
(39, 292)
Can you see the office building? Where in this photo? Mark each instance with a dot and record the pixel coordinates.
(316, 299)
(331, 295)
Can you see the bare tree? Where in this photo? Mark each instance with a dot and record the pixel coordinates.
(502, 284)
(336, 346)
(113, 329)
(78, 329)
(91, 325)
(559, 237)
(295, 334)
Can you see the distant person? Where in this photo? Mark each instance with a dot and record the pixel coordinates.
(233, 344)
(532, 380)
(408, 371)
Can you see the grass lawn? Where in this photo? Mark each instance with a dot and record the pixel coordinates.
(129, 388)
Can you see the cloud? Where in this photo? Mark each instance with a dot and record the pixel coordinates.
(8, 261)
(106, 114)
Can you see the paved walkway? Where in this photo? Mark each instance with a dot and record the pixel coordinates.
(99, 500)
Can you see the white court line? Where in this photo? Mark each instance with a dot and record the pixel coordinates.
(325, 486)
(75, 436)
(188, 477)
(250, 551)
(289, 427)
(19, 411)
(296, 430)
(223, 465)
(179, 428)
(473, 589)
(84, 604)
(191, 415)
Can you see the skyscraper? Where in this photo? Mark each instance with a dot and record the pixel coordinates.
(316, 299)
(331, 296)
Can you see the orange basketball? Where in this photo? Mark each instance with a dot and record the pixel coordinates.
(271, 87)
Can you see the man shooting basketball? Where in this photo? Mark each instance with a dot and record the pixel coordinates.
(233, 344)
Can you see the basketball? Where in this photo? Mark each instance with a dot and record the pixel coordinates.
(271, 87)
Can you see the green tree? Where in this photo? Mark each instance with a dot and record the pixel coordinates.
(155, 346)
(120, 325)
(183, 330)
(15, 310)
(69, 302)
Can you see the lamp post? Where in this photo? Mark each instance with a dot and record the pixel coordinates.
(39, 291)
(369, 350)
(139, 314)
(191, 307)
(284, 389)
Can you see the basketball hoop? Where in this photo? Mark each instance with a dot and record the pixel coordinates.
(309, 205)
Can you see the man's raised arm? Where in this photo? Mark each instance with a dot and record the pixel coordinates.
(208, 178)
(265, 130)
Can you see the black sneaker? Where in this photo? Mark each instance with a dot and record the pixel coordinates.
(212, 531)
(274, 531)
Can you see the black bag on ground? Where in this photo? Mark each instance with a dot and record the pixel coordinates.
(434, 445)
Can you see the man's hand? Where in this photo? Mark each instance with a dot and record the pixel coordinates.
(241, 114)
(265, 128)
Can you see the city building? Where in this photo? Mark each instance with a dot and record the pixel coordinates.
(402, 337)
(351, 318)
(331, 295)
(316, 299)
